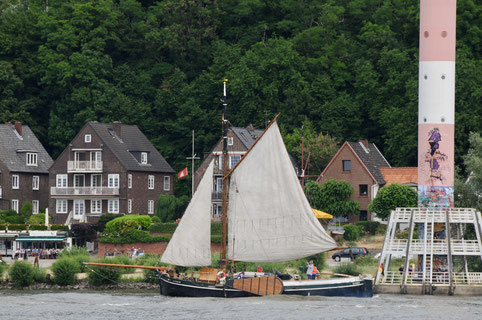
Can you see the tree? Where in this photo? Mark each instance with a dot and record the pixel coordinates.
(390, 197)
(332, 197)
(468, 192)
(170, 208)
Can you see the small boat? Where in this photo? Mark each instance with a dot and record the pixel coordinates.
(266, 218)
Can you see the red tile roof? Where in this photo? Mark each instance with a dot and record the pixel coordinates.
(401, 175)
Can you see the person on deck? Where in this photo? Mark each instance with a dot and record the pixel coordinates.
(309, 270)
(259, 268)
(315, 273)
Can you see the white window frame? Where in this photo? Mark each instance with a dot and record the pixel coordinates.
(113, 206)
(150, 182)
(143, 157)
(31, 159)
(15, 181)
(88, 138)
(95, 207)
(35, 206)
(167, 183)
(150, 206)
(129, 205)
(92, 181)
(35, 182)
(129, 181)
(61, 206)
(79, 178)
(113, 180)
(230, 141)
(62, 180)
(79, 207)
(231, 165)
(15, 205)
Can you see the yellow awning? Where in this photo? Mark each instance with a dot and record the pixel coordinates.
(322, 215)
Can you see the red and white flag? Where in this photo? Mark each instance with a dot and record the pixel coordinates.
(182, 173)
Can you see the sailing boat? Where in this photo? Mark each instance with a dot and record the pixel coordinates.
(269, 219)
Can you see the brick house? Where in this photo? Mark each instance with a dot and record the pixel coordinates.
(359, 164)
(107, 168)
(239, 142)
(24, 165)
(407, 176)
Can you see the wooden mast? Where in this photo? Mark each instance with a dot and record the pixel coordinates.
(225, 185)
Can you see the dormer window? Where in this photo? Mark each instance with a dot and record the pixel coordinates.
(230, 141)
(31, 159)
(88, 138)
(143, 157)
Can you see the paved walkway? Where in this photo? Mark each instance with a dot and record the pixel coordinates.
(44, 263)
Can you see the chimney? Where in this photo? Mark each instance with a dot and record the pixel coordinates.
(118, 128)
(364, 142)
(18, 127)
(250, 127)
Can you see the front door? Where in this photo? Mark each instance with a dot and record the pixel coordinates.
(79, 209)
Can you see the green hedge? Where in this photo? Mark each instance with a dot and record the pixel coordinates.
(369, 226)
(352, 232)
(133, 236)
(166, 227)
(39, 227)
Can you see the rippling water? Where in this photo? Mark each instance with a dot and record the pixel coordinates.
(150, 305)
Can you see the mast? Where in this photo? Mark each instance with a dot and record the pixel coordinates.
(225, 183)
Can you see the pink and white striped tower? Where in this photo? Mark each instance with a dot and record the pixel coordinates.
(436, 110)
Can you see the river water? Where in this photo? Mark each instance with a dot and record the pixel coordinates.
(17, 305)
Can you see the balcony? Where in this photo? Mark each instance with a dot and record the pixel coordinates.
(83, 191)
(217, 196)
(84, 166)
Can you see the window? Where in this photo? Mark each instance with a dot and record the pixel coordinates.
(113, 206)
(129, 181)
(230, 141)
(150, 206)
(144, 157)
(88, 138)
(15, 181)
(218, 184)
(363, 215)
(217, 210)
(233, 161)
(363, 190)
(129, 206)
(96, 181)
(61, 181)
(346, 165)
(61, 206)
(15, 205)
(167, 183)
(35, 182)
(113, 180)
(79, 208)
(35, 206)
(31, 159)
(150, 182)
(79, 180)
(96, 206)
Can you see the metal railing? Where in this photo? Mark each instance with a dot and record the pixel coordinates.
(217, 196)
(456, 215)
(84, 166)
(467, 247)
(84, 191)
(395, 277)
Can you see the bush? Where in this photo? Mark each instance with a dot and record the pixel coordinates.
(3, 267)
(21, 274)
(366, 260)
(156, 220)
(133, 236)
(20, 227)
(216, 228)
(369, 226)
(98, 275)
(106, 218)
(166, 227)
(39, 275)
(352, 232)
(38, 219)
(74, 251)
(346, 268)
(65, 270)
(122, 225)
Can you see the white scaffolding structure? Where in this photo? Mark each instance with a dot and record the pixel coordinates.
(427, 248)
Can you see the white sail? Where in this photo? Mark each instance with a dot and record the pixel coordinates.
(190, 244)
(269, 217)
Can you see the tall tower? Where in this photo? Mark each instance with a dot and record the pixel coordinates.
(439, 238)
(436, 110)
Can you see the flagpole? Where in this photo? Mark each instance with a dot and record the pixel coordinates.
(192, 158)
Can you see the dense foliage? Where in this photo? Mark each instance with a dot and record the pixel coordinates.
(333, 197)
(468, 191)
(170, 208)
(21, 274)
(348, 67)
(65, 270)
(352, 232)
(392, 196)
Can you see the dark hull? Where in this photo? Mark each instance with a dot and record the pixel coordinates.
(181, 288)
(327, 288)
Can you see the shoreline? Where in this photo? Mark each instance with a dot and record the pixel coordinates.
(83, 286)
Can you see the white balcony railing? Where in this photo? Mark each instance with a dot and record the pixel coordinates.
(459, 246)
(84, 166)
(84, 191)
